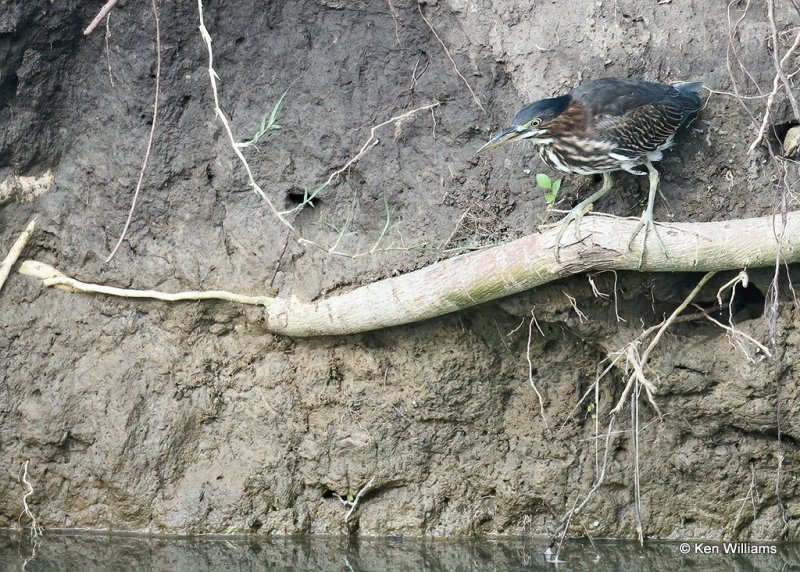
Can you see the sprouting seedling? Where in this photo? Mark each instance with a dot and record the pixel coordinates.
(268, 122)
(308, 197)
(549, 185)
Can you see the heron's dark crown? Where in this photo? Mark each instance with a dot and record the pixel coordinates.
(545, 109)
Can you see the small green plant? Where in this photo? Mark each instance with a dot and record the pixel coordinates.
(308, 198)
(550, 186)
(268, 122)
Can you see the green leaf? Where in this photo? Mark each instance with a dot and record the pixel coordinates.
(556, 185)
(543, 181)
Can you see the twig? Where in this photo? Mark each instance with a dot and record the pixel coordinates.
(597, 420)
(595, 486)
(108, 52)
(213, 77)
(452, 61)
(521, 323)
(36, 530)
(616, 306)
(100, 15)
(530, 372)
(637, 499)
(16, 250)
(570, 514)
(732, 48)
(396, 21)
(595, 290)
(738, 96)
(150, 138)
(414, 76)
(536, 322)
(574, 303)
(280, 257)
(368, 144)
(598, 294)
(734, 332)
(741, 277)
(779, 496)
(638, 362)
(676, 313)
(752, 491)
(598, 376)
(779, 64)
(780, 77)
(732, 29)
(354, 503)
(456, 228)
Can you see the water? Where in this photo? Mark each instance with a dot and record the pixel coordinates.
(95, 552)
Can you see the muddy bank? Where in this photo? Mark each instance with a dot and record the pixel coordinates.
(139, 415)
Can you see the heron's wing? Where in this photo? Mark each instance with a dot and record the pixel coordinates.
(636, 117)
(642, 129)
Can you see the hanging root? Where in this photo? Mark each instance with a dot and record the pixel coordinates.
(36, 530)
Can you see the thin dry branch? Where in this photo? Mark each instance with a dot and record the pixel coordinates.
(100, 15)
(780, 79)
(16, 249)
(396, 21)
(638, 362)
(637, 491)
(36, 530)
(752, 493)
(683, 305)
(598, 482)
(530, 371)
(354, 503)
(108, 51)
(368, 144)
(470, 279)
(733, 332)
(149, 139)
(779, 64)
(223, 119)
(452, 61)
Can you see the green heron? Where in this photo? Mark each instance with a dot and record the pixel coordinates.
(603, 126)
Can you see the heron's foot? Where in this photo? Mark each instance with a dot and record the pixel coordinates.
(647, 224)
(576, 215)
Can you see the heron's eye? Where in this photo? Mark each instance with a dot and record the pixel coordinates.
(535, 123)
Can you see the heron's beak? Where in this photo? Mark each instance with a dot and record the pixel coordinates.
(509, 134)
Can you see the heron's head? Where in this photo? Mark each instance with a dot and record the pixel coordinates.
(533, 122)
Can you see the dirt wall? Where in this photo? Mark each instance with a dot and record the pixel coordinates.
(191, 417)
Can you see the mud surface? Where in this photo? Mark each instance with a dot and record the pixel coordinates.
(191, 418)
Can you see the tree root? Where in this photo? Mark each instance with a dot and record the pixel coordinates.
(470, 279)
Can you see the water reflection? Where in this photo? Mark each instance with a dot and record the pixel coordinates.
(114, 552)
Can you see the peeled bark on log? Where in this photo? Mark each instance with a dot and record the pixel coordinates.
(470, 279)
